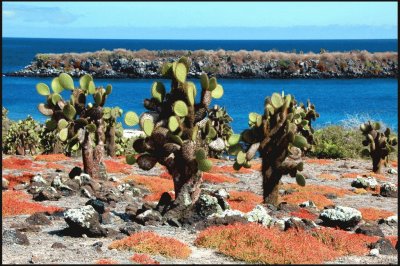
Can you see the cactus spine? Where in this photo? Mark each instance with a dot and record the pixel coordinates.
(380, 144)
(274, 134)
(176, 129)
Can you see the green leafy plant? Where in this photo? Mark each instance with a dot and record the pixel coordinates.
(79, 123)
(22, 136)
(381, 144)
(220, 120)
(177, 129)
(275, 134)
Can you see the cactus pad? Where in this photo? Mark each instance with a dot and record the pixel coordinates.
(131, 119)
(180, 108)
(43, 89)
(66, 81)
(158, 91)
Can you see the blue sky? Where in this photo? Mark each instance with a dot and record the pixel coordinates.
(200, 20)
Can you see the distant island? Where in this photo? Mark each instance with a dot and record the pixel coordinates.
(122, 63)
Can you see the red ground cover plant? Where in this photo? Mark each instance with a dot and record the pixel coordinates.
(19, 164)
(319, 161)
(155, 184)
(244, 201)
(106, 261)
(256, 244)
(18, 179)
(229, 169)
(256, 166)
(304, 214)
(117, 167)
(219, 178)
(327, 176)
(17, 203)
(152, 243)
(52, 157)
(54, 165)
(393, 163)
(166, 175)
(314, 193)
(373, 214)
(143, 259)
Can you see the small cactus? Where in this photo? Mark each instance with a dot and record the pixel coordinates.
(220, 120)
(110, 116)
(80, 124)
(177, 130)
(380, 144)
(283, 126)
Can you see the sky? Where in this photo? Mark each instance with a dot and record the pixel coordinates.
(201, 20)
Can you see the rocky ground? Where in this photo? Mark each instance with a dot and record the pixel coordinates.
(48, 238)
(121, 63)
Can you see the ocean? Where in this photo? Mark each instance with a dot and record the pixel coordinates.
(336, 100)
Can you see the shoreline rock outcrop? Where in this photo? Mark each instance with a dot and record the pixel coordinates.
(121, 63)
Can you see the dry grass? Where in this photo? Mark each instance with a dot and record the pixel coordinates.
(151, 243)
(17, 203)
(254, 243)
(372, 214)
(244, 201)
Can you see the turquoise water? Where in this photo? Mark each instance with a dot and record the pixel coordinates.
(335, 100)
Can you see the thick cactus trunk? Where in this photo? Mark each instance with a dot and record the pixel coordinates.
(87, 156)
(98, 154)
(376, 163)
(110, 141)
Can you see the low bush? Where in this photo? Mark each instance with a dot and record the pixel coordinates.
(373, 214)
(244, 201)
(143, 259)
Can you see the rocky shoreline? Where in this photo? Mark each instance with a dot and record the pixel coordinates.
(121, 63)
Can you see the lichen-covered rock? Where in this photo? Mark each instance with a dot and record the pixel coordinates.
(47, 193)
(98, 205)
(222, 195)
(298, 224)
(84, 220)
(343, 217)
(4, 183)
(207, 205)
(123, 187)
(10, 237)
(38, 179)
(308, 204)
(365, 182)
(388, 190)
(149, 217)
(391, 220)
(259, 215)
(217, 144)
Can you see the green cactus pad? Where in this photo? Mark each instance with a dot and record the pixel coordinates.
(69, 111)
(241, 157)
(55, 97)
(180, 72)
(253, 117)
(130, 159)
(300, 166)
(234, 139)
(62, 123)
(204, 81)
(166, 69)
(81, 122)
(173, 123)
(84, 81)
(234, 149)
(184, 60)
(106, 112)
(180, 108)
(91, 87)
(191, 93)
(175, 139)
(237, 166)
(63, 134)
(56, 86)
(276, 100)
(195, 132)
(377, 126)
(97, 98)
(259, 121)
(300, 141)
(270, 109)
(131, 119)
(200, 155)
(51, 124)
(66, 81)
(204, 165)
(108, 89)
(43, 89)
(217, 92)
(212, 84)
(288, 99)
(91, 128)
(148, 127)
(300, 180)
(158, 91)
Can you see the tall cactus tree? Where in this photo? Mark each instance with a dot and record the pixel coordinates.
(274, 134)
(380, 144)
(177, 131)
(80, 123)
(220, 120)
(110, 116)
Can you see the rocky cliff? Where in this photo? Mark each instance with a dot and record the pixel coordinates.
(121, 63)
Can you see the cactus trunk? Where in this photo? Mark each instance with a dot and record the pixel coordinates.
(110, 141)
(87, 156)
(98, 155)
(377, 163)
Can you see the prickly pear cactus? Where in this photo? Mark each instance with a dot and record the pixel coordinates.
(177, 129)
(274, 134)
(380, 144)
(5, 124)
(110, 116)
(79, 123)
(22, 136)
(220, 120)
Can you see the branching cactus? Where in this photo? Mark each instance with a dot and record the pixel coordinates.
(79, 122)
(274, 134)
(177, 131)
(220, 120)
(380, 144)
(110, 116)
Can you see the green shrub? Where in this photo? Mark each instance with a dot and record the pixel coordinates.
(337, 142)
